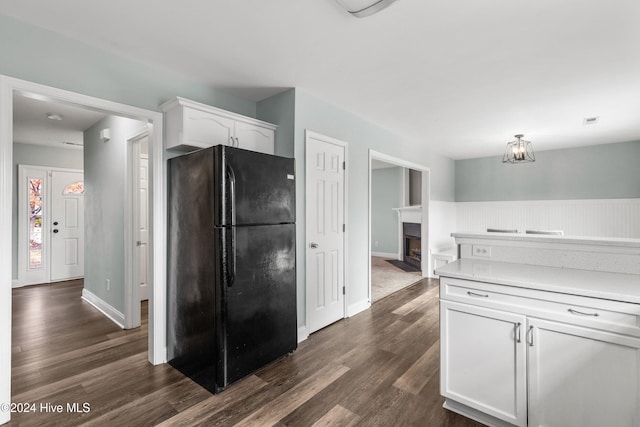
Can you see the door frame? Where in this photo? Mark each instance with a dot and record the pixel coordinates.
(157, 302)
(426, 197)
(302, 335)
(22, 230)
(132, 207)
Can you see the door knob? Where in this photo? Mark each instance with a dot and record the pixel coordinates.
(313, 245)
(55, 222)
(55, 230)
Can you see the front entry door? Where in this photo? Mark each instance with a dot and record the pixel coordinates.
(67, 225)
(325, 222)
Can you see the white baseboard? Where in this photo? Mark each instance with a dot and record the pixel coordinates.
(358, 307)
(474, 414)
(114, 315)
(385, 255)
(15, 284)
(303, 334)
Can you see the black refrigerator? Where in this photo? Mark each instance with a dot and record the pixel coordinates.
(231, 263)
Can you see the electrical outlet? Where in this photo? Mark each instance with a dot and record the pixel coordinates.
(482, 251)
(108, 284)
(376, 244)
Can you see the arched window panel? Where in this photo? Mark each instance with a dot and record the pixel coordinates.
(74, 188)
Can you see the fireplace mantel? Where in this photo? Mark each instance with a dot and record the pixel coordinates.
(409, 214)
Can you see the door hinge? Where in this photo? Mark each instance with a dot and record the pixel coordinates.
(344, 291)
(344, 228)
(344, 165)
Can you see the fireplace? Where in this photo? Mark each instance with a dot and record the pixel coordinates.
(412, 249)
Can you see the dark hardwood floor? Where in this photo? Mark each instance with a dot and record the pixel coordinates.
(379, 368)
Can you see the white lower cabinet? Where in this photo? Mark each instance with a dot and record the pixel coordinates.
(582, 377)
(483, 360)
(506, 367)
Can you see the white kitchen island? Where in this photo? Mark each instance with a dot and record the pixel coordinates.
(541, 330)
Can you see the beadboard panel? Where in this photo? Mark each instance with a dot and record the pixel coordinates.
(442, 222)
(597, 217)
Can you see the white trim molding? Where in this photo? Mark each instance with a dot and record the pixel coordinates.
(9, 87)
(358, 307)
(99, 304)
(423, 212)
(6, 191)
(386, 255)
(303, 334)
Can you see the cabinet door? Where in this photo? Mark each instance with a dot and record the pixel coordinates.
(582, 377)
(255, 138)
(204, 129)
(483, 360)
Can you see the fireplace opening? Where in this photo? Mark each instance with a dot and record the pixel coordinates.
(412, 249)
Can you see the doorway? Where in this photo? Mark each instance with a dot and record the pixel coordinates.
(399, 215)
(9, 88)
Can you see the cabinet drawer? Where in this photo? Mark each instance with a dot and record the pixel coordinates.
(597, 313)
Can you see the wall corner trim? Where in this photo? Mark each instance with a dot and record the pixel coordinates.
(303, 334)
(358, 307)
(114, 315)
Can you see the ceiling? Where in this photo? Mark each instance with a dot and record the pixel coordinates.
(461, 77)
(31, 124)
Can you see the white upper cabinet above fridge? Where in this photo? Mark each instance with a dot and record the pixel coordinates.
(190, 125)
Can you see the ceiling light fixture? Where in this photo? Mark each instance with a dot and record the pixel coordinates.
(519, 151)
(54, 116)
(363, 8)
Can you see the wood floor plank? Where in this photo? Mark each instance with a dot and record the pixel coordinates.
(416, 377)
(273, 411)
(377, 368)
(213, 404)
(337, 417)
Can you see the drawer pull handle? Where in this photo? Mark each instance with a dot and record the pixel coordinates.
(530, 336)
(518, 337)
(473, 294)
(572, 311)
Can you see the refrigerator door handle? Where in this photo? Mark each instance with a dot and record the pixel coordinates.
(232, 259)
(231, 179)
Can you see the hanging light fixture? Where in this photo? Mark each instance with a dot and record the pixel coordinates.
(519, 151)
(362, 8)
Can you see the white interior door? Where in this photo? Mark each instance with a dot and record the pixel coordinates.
(66, 223)
(143, 228)
(325, 213)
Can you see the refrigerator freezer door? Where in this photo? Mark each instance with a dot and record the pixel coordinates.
(260, 303)
(253, 188)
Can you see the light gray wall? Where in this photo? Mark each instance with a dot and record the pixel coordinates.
(386, 194)
(40, 56)
(415, 187)
(320, 116)
(280, 110)
(37, 155)
(607, 171)
(104, 177)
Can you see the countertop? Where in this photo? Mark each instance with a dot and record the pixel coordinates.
(596, 284)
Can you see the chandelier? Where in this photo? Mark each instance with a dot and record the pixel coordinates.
(519, 151)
